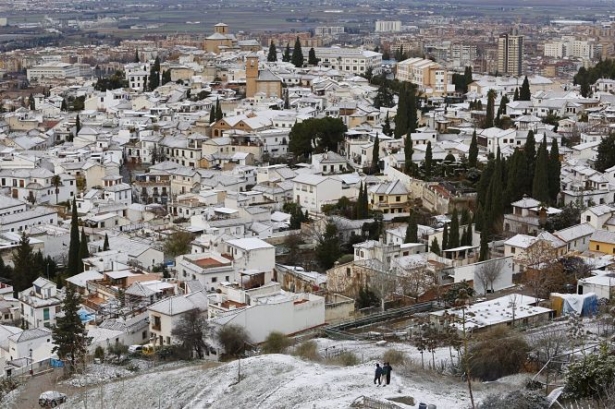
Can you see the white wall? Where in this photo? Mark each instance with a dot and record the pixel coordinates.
(289, 318)
(470, 271)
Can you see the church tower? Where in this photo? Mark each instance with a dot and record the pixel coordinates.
(251, 75)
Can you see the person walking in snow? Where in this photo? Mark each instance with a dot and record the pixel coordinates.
(378, 374)
(386, 372)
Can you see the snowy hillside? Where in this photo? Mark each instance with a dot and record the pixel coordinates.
(276, 381)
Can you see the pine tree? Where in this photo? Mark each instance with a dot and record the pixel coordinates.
(428, 161)
(445, 237)
(376, 156)
(453, 235)
(516, 95)
(24, 271)
(435, 247)
(401, 118)
(473, 153)
(297, 57)
(540, 184)
(69, 333)
(555, 168)
(286, 55)
(412, 230)
(312, 60)
(219, 114)
(386, 128)
(408, 151)
(83, 248)
(106, 243)
(74, 263)
(524, 93)
(272, 56)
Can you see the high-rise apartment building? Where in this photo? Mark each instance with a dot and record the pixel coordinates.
(385, 26)
(510, 54)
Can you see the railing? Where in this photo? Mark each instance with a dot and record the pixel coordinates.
(338, 331)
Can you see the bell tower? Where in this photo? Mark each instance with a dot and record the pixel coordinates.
(251, 75)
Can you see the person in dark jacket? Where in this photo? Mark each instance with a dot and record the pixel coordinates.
(378, 374)
(386, 372)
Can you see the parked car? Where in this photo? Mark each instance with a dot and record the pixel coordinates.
(51, 399)
(133, 349)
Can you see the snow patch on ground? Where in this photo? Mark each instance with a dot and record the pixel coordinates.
(283, 381)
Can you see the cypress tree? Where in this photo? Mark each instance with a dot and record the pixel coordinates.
(401, 118)
(484, 246)
(473, 153)
(376, 156)
(412, 115)
(435, 247)
(63, 107)
(524, 93)
(219, 114)
(272, 56)
(490, 114)
(540, 184)
(212, 114)
(106, 243)
(24, 272)
(297, 57)
(469, 234)
(74, 262)
(286, 55)
(445, 237)
(412, 232)
(453, 235)
(77, 125)
(31, 103)
(554, 172)
(428, 161)
(494, 204)
(83, 248)
(137, 55)
(154, 75)
(464, 237)
(530, 157)
(516, 95)
(408, 151)
(386, 128)
(312, 60)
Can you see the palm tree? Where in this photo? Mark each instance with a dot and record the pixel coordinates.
(56, 181)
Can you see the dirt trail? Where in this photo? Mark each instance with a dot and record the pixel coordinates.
(27, 395)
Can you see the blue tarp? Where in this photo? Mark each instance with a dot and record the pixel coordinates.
(86, 316)
(584, 305)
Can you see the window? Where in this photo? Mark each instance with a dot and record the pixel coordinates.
(144, 335)
(597, 246)
(398, 198)
(214, 279)
(46, 314)
(588, 218)
(348, 272)
(512, 250)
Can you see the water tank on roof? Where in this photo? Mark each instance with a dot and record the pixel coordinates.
(422, 405)
(431, 406)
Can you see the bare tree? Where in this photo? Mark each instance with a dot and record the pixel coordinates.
(543, 273)
(191, 330)
(383, 284)
(489, 272)
(415, 281)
